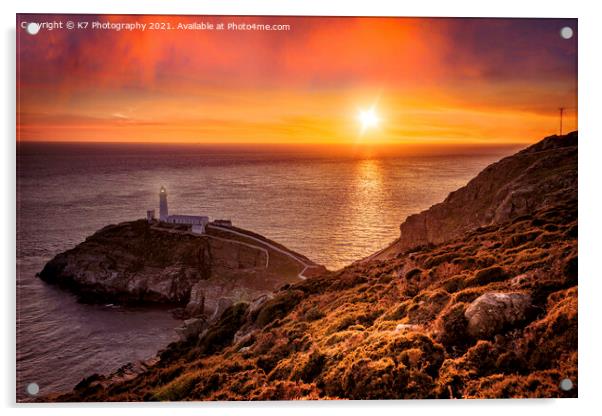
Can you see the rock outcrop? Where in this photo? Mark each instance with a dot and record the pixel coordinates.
(542, 174)
(136, 262)
(191, 328)
(493, 312)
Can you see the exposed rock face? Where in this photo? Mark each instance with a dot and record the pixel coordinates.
(191, 328)
(536, 177)
(137, 262)
(492, 312)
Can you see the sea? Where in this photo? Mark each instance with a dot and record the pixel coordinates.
(333, 205)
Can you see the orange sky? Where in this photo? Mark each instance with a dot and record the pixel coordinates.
(431, 81)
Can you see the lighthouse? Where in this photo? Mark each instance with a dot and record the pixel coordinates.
(163, 212)
(196, 223)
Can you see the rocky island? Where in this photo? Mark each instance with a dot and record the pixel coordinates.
(476, 299)
(155, 263)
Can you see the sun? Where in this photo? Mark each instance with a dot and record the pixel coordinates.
(368, 119)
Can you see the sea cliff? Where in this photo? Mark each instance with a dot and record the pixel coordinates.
(138, 262)
(534, 178)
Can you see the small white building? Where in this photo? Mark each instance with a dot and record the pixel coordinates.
(196, 222)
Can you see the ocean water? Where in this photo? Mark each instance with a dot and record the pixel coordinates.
(333, 208)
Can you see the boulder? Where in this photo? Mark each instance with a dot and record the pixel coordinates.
(196, 303)
(406, 327)
(258, 302)
(494, 312)
(220, 306)
(191, 328)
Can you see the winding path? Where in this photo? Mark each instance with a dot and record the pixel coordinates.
(265, 243)
(172, 231)
(267, 254)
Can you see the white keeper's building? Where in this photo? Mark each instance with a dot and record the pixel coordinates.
(197, 222)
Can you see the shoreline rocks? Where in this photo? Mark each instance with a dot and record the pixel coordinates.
(191, 328)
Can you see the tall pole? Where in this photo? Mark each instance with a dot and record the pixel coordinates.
(561, 112)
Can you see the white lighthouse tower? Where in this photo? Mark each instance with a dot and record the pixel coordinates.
(196, 223)
(163, 212)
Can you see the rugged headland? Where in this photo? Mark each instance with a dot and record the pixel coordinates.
(142, 263)
(478, 298)
(536, 177)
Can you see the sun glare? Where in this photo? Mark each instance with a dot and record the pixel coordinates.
(368, 119)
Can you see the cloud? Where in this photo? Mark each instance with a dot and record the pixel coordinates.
(215, 85)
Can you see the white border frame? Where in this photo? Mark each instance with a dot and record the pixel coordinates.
(590, 68)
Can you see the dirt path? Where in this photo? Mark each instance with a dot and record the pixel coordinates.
(260, 241)
(273, 247)
(267, 254)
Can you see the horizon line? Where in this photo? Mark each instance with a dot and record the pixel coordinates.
(299, 144)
